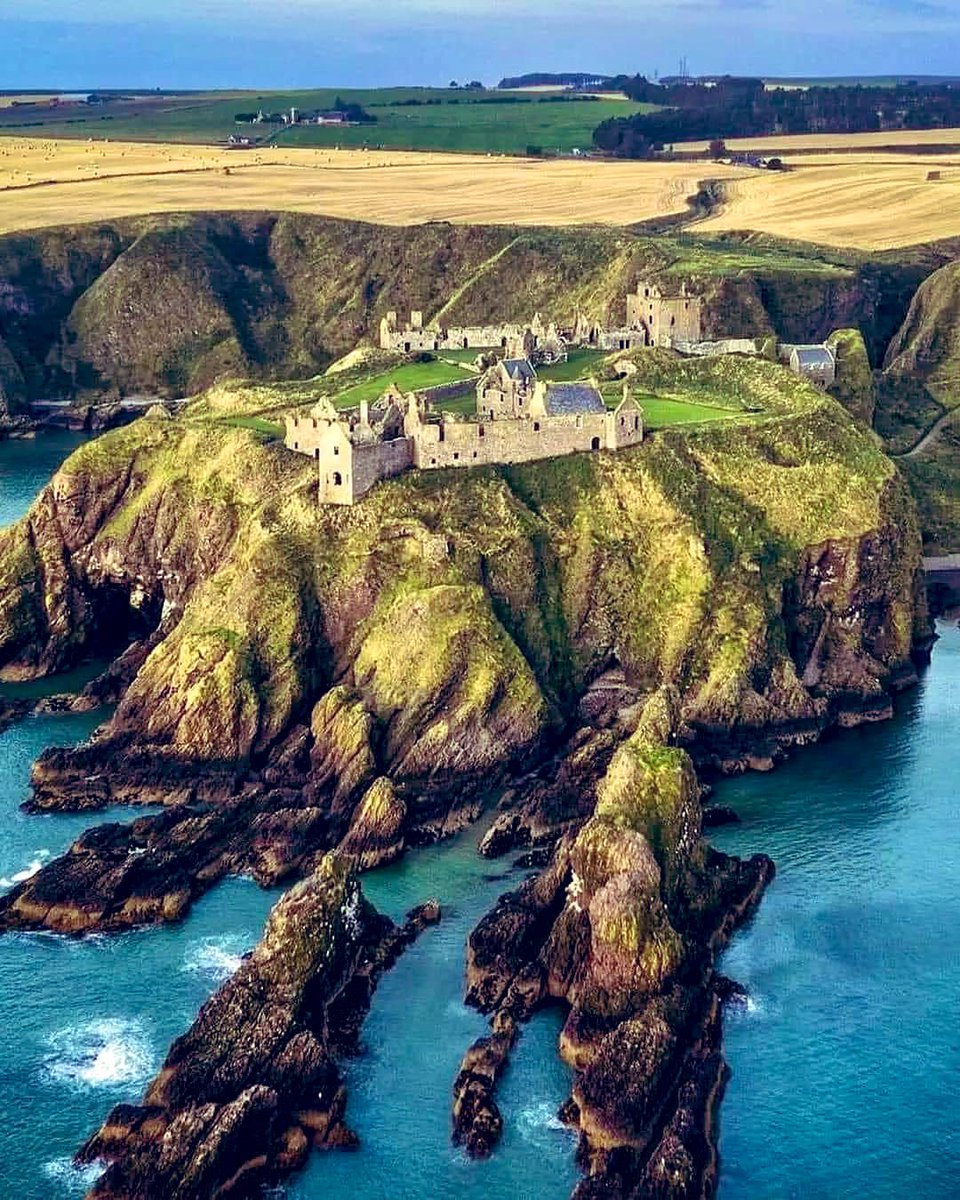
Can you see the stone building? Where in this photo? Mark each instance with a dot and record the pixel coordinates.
(654, 318)
(519, 419)
(816, 363)
(665, 319)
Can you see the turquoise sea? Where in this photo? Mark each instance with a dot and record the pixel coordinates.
(845, 1061)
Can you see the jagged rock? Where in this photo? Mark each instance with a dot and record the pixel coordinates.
(623, 926)
(477, 1123)
(252, 1085)
(376, 832)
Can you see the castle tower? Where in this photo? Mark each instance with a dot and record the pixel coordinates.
(388, 330)
(411, 417)
(335, 464)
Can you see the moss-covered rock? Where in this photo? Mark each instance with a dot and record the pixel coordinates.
(854, 387)
(765, 573)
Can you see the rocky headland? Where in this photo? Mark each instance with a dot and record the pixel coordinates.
(578, 636)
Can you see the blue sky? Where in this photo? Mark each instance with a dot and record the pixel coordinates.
(302, 43)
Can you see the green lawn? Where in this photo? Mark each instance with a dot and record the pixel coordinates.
(580, 364)
(661, 412)
(409, 377)
(269, 429)
(454, 121)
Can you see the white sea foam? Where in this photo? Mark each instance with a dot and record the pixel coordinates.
(99, 1054)
(28, 872)
(74, 1180)
(216, 958)
(532, 1121)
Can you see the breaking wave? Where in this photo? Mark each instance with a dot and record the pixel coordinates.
(74, 1180)
(538, 1117)
(216, 958)
(28, 872)
(100, 1054)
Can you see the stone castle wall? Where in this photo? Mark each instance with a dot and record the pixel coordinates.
(479, 443)
(373, 461)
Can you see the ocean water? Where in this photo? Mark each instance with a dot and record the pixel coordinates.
(845, 1062)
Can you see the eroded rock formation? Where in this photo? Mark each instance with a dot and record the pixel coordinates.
(622, 927)
(246, 1092)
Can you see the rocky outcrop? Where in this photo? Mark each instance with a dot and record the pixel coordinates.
(623, 927)
(246, 1092)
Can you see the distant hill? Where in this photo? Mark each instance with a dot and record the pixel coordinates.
(544, 79)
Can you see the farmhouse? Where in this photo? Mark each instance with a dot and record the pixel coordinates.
(519, 418)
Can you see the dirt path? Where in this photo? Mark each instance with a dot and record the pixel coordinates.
(929, 437)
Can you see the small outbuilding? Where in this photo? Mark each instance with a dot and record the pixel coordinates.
(815, 363)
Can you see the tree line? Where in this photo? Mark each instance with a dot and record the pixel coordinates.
(733, 107)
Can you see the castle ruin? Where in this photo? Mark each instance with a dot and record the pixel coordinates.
(653, 318)
(519, 418)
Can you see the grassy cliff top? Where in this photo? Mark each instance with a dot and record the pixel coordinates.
(464, 611)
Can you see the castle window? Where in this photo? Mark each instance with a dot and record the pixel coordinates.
(636, 422)
(483, 432)
(466, 343)
(579, 420)
(433, 462)
(316, 453)
(336, 449)
(406, 347)
(296, 445)
(595, 444)
(456, 456)
(337, 479)
(314, 422)
(536, 427)
(474, 454)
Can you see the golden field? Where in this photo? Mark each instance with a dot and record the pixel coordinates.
(58, 182)
(823, 143)
(870, 201)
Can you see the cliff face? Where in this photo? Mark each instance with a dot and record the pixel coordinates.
(452, 629)
(168, 305)
(917, 399)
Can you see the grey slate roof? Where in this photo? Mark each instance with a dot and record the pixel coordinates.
(813, 356)
(564, 399)
(520, 368)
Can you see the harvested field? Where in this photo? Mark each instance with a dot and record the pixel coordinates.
(824, 143)
(52, 182)
(866, 201)
(869, 202)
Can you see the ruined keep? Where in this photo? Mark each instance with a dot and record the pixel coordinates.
(519, 418)
(666, 319)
